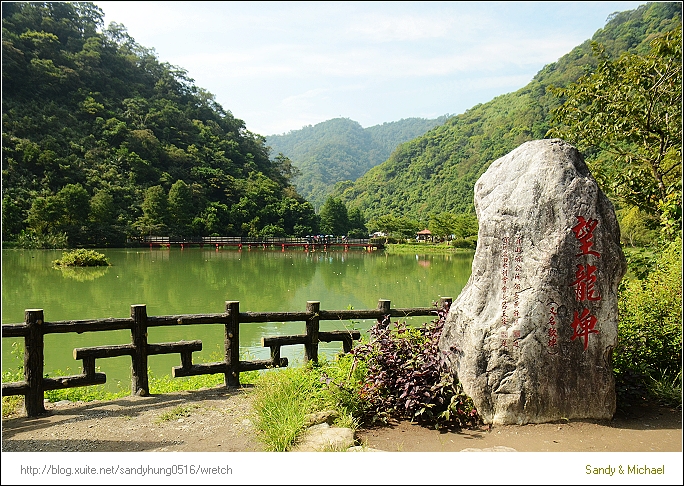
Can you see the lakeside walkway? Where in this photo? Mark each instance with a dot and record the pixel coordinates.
(307, 243)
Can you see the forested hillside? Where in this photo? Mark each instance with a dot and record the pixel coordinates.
(101, 141)
(341, 150)
(436, 172)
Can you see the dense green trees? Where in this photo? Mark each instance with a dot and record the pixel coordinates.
(357, 224)
(66, 213)
(395, 226)
(101, 141)
(637, 228)
(89, 112)
(181, 208)
(443, 225)
(338, 221)
(155, 207)
(437, 172)
(627, 114)
(334, 217)
(341, 150)
(649, 348)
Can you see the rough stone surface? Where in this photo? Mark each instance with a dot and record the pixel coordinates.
(323, 438)
(327, 416)
(531, 335)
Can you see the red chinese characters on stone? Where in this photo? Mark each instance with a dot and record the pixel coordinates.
(584, 232)
(553, 332)
(504, 282)
(583, 326)
(511, 277)
(516, 337)
(553, 337)
(584, 283)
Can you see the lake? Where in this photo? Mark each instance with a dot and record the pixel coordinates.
(200, 281)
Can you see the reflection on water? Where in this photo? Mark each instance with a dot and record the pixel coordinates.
(200, 280)
(83, 274)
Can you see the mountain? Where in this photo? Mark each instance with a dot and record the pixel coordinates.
(341, 150)
(437, 171)
(101, 141)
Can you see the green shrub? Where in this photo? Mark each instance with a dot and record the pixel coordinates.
(11, 404)
(469, 243)
(82, 258)
(667, 389)
(343, 379)
(381, 240)
(650, 324)
(640, 262)
(407, 377)
(30, 240)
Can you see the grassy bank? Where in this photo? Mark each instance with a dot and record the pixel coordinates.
(423, 248)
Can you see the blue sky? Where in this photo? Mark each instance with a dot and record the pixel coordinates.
(280, 66)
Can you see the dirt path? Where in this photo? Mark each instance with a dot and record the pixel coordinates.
(651, 429)
(205, 420)
(220, 420)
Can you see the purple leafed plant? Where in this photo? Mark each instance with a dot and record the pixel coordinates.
(408, 378)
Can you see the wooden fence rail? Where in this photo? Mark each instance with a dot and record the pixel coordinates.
(34, 328)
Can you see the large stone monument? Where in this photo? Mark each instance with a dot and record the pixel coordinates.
(531, 335)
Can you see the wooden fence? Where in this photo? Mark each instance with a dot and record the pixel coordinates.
(34, 328)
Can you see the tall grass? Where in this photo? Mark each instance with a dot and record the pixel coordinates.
(284, 397)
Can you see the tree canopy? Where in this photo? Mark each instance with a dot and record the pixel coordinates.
(101, 141)
(627, 114)
(340, 150)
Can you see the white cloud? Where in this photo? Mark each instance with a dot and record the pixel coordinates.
(307, 99)
(383, 28)
(274, 63)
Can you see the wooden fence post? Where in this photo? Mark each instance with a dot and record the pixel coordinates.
(232, 344)
(312, 327)
(384, 306)
(139, 382)
(33, 362)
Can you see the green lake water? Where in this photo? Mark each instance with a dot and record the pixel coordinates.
(200, 281)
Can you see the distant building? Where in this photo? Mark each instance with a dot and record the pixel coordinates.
(424, 235)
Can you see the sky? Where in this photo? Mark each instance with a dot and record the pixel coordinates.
(280, 66)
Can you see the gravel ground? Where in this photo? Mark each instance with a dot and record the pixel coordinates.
(205, 420)
(220, 419)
